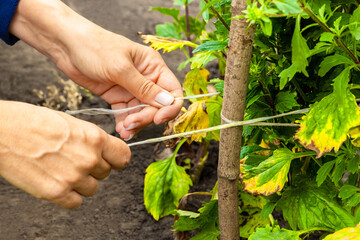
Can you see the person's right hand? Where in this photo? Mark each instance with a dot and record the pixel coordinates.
(54, 156)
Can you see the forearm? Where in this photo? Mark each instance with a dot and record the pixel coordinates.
(49, 26)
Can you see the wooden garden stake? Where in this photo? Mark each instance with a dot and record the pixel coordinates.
(236, 78)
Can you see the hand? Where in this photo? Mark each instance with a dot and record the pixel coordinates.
(54, 156)
(125, 74)
(122, 72)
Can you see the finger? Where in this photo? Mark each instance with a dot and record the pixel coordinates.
(102, 170)
(168, 81)
(116, 152)
(140, 119)
(146, 90)
(87, 187)
(71, 200)
(167, 113)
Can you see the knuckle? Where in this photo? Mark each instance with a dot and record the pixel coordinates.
(55, 191)
(104, 174)
(95, 136)
(94, 189)
(146, 88)
(91, 162)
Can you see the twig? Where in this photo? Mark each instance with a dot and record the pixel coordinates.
(187, 14)
(218, 16)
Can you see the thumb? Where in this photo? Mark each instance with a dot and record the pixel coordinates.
(146, 90)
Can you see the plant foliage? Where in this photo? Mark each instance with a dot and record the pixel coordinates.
(305, 56)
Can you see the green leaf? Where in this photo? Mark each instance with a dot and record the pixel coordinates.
(305, 206)
(355, 24)
(211, 46)
(285, 101)
(344, 234)
(207, 221)
(220, 88)
(353, 163)
(196, 26)
(172, 12)
(206, 6)
(165, 184)
(200, 60)
(213, 108)
(332, 61)
(327, 37)
(250, 220)
(327, 124)
(339, 169)
(205, 14)
(324, 171)
(287, 74)
(249, 149)
(168, 30)
(268, 209)
(269, 233)
(182, 2)
(348, 191)
(350, 195)
(270, 175)
(288, 6)
(299, 55)
(250, 213)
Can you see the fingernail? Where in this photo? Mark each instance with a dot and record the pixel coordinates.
(130, 137)
(132, 126)
(164, 98)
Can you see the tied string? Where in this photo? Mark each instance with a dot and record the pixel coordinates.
(100, 111)
(228, 123)
(252, 122)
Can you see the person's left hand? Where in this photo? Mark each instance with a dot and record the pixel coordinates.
(126, 74)
(122, 72)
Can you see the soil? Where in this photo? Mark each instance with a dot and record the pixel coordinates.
(117, 210)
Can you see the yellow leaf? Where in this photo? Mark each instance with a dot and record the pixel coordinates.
(167, 44)
(355, 136)
(350, 233)
(196, 82)
(327, 124)
(193, 119)
(270, 175)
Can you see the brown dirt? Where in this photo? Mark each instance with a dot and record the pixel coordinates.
(117, 210)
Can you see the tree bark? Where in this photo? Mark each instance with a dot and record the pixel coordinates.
(236, 78)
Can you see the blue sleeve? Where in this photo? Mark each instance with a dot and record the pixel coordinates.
(7, 10)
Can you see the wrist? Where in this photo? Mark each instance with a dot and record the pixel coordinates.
(49, 26)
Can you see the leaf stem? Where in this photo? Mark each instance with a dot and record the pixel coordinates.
(218, 16)
(267, 96)
(197, 193)
(315, 229)
(299, 90)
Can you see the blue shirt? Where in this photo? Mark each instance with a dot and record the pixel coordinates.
(7, 10)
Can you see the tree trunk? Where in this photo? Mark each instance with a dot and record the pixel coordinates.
(236, 78)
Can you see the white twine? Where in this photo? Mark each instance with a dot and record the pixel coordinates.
(252, 122)
(100, 111)
(229, 123)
